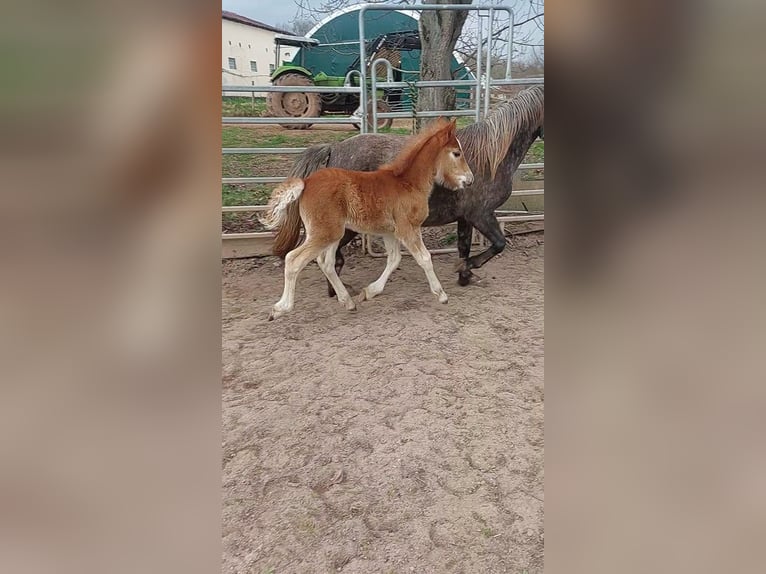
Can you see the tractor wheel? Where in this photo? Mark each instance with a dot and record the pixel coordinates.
(382, 122)
(294, 104)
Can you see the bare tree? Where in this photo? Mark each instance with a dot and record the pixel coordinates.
(446, 32)
(315, 11)
(297, 26)
(439, 32)
(528, 29)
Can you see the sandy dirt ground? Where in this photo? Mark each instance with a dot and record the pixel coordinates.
(406, 436)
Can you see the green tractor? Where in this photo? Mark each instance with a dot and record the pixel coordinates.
(315, 104)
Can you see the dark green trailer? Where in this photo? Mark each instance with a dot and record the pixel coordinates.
(331, 51)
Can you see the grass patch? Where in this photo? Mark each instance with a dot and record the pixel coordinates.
(536, 153)
(243, 107)
(246, 194)
(395, 131)
(450, 238)
(245, 136)
(464, 121)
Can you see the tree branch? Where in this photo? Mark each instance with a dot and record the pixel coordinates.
(515, 24)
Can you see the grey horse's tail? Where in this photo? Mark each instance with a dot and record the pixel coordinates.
(314, 158)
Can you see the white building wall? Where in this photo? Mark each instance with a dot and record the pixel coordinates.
(247, 44)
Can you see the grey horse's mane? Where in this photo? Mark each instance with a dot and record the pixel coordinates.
(486, 142)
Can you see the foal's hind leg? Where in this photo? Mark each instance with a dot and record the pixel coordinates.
(414, 244)
(394, 258)
(326, 261)
(339, 260)
(295, 261)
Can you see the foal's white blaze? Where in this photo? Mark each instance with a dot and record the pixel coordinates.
(463, 179)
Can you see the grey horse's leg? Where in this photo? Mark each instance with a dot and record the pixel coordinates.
(488, 225)
(339, 259)
(464, 236)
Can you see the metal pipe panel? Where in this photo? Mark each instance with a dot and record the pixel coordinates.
(252, 179)
(322, 120)
(262, 150)
(292, 89)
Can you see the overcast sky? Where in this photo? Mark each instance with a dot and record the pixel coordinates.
(267, 11)
(275, 12)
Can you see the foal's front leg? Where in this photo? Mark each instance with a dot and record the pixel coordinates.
(326, 262)
(392, 262)
(413, 241)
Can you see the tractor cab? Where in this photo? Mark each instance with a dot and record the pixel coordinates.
(281, 40)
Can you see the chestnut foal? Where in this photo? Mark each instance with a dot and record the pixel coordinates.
(391, 202)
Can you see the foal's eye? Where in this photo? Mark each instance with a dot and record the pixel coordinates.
(456, 154)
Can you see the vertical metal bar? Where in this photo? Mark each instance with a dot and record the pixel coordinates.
(374, 91)
(363, 70)
(374, 99)
(509, 57)
(488, 65)
(478, 69)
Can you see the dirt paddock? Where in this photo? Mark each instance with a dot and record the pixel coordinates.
(406, 436)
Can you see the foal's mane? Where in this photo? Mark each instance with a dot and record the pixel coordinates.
(486, 142)
(404, 159)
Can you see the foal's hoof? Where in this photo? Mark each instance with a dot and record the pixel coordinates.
(350, 305)
(275, 313)
(443, 297)
(364, 295)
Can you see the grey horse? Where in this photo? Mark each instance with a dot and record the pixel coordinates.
(494, 147)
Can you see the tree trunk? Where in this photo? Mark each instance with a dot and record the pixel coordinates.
(439, 31)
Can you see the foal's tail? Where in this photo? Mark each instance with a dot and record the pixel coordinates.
(284, 214)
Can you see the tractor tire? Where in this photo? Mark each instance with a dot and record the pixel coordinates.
(294, 104)
(382, 122)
